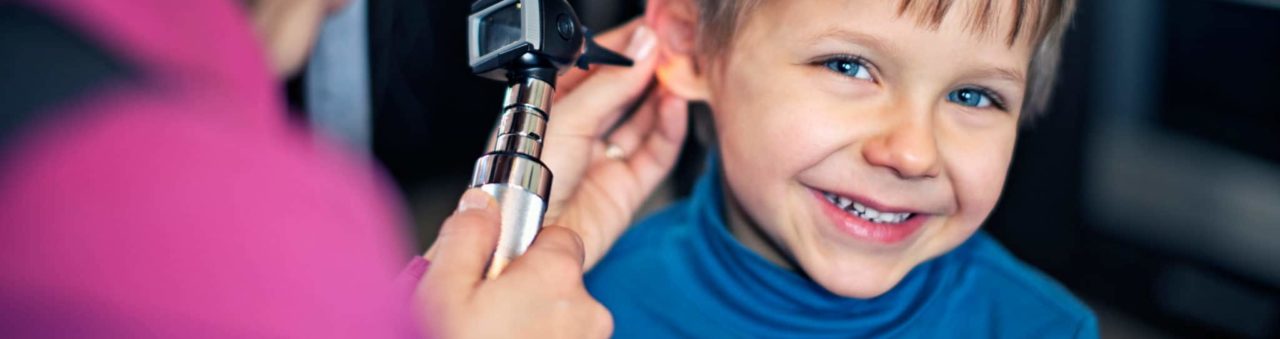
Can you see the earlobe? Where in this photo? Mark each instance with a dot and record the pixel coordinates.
(680, 75)
(675, 23)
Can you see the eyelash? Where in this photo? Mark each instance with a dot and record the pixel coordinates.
(997, 100)
(850, 58)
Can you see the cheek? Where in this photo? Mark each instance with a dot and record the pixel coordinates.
(978, 175)
(763, 116)
(764, 128)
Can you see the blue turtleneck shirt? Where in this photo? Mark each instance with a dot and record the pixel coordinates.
(680, 273)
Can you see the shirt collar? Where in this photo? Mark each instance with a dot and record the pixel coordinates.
(726, 276)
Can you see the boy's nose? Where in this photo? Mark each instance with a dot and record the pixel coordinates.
(909, 148)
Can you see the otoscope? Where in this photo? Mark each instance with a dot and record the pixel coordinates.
(525, 43)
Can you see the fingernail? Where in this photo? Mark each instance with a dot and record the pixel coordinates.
(474, 199)
(642, 43)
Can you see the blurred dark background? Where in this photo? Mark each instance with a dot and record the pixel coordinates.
(1151, 188)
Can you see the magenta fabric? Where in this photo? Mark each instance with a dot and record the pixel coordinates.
(183, 204)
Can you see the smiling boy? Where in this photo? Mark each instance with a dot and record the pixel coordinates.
(861, 144)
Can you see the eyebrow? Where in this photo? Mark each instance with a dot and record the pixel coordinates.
(879, 44)
(1006, 73)
(870, 41)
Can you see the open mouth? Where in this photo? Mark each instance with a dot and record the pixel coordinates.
(866, 213)
(876, 224)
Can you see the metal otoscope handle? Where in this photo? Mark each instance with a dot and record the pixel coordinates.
(511, 171)
(526, 43)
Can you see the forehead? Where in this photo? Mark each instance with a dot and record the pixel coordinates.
(1013, 22)
(907, 40)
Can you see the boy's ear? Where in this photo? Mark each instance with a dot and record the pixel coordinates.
(676, 24)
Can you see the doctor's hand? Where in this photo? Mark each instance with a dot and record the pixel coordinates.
(601, 180)
(540, 295)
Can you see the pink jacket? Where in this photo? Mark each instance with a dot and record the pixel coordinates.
(182, 203)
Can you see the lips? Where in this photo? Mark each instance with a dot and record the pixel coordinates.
(869, 221)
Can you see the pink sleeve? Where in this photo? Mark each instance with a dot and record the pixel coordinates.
(183, 203)
(412, 273)
(151, 218)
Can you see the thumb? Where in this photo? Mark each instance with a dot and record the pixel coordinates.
(466, 241)
(555, 258)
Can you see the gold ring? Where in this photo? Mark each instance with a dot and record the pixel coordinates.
(614, 152)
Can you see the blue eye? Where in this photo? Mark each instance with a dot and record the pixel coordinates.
(848, 67)
(972, 97)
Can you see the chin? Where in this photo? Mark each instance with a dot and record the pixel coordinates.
(862, 280)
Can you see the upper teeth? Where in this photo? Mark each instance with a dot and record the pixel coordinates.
(864, 212)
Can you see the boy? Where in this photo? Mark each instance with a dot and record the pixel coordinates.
(861, 143)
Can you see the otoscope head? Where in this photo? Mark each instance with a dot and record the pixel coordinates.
(513, 39)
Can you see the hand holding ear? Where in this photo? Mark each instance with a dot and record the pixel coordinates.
(601, 180)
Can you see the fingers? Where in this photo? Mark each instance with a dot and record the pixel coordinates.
(466, 241)
(620, 187)
(659, 139)
(555, 258)
(592, 106)
(584, 113)
(554, 263)
(632, 132)
(655, 158)
(614, 39)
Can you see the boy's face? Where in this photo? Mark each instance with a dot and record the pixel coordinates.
(862, 142)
